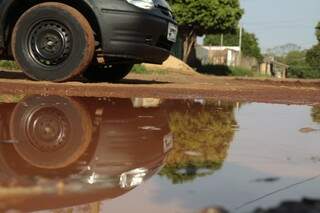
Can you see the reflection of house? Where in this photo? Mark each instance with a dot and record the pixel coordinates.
(221, 55)
(273, 68)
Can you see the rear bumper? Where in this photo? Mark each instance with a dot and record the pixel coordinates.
(137, 36)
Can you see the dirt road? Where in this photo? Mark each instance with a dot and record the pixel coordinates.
(174, 85)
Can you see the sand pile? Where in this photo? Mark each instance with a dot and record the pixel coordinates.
(173, 64)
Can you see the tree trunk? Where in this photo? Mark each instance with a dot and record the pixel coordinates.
(189, 40)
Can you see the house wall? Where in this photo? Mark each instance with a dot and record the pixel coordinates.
(250, 63)
(217, 55)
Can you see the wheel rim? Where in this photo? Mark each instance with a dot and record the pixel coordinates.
(47, 129)
(49, 43)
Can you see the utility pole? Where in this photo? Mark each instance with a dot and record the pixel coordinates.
(240, 37)
(240, 43)
(221, 40)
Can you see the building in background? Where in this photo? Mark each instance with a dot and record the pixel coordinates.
(231, 56)
(218, 55)
(225, 55)
(272, 67)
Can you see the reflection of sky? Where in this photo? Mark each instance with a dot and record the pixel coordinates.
(269, 140)
(145, 199)
(229, 188)
(268, 144)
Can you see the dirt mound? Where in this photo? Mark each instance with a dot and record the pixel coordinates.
(173, 64)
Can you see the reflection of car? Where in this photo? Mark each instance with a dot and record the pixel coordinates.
(58, 40)
(106, 146)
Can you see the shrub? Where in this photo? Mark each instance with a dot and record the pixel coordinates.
(305, 72)
(223, 70)
(138, 68)
(238, 71)
(220, 70)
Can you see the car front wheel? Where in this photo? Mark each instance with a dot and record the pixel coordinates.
(53, 41)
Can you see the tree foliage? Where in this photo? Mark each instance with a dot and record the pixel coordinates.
(295, 58)
(313, 56)
(318, 31)
(304, 64)
(250, 44)
(198, 17)
(298, 65)
(206, 133)
(205, 16)
(305, 72)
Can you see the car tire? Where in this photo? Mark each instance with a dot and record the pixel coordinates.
(51, 132)
(53, 41)
(107, 73)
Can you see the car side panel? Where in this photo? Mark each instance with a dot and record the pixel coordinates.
(4, 6)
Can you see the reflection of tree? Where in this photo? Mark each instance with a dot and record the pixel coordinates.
(315, 114)
(202, 135)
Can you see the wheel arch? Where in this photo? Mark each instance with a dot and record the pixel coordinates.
(11, 10)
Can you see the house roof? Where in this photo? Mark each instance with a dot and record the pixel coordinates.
(220, 48)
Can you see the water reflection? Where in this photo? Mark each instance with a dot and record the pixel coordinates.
(60, 151)
(203, 134)
(315, 114)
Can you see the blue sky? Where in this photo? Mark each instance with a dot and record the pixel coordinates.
(277, 22)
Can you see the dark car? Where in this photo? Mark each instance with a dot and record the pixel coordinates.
(102, 39)
(79, 150)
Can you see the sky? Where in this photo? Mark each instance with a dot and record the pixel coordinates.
(278, 22)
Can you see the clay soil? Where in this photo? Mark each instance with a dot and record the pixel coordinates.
(174, 85)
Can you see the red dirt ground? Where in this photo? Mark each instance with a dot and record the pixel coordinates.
(175, 85)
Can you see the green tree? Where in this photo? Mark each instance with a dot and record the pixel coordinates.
(318, 31)
(202, 136)
(250, 44)
(199, 17)
(298, 66)
(313, 57)
(294, 58)
(304, 64)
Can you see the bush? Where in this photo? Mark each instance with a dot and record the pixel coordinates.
(223, 70)
(140, 69)
(220, 70)
(238, 71)
(305, 72)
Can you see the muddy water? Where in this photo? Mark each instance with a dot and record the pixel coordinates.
(151, 155)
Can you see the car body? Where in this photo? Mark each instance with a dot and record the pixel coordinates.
(121, 153)
(124, 33)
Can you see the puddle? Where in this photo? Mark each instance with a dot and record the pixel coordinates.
(151, 155)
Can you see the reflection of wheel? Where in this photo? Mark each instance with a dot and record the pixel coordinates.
(53, 41)
(51, 132)
(107, 73)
